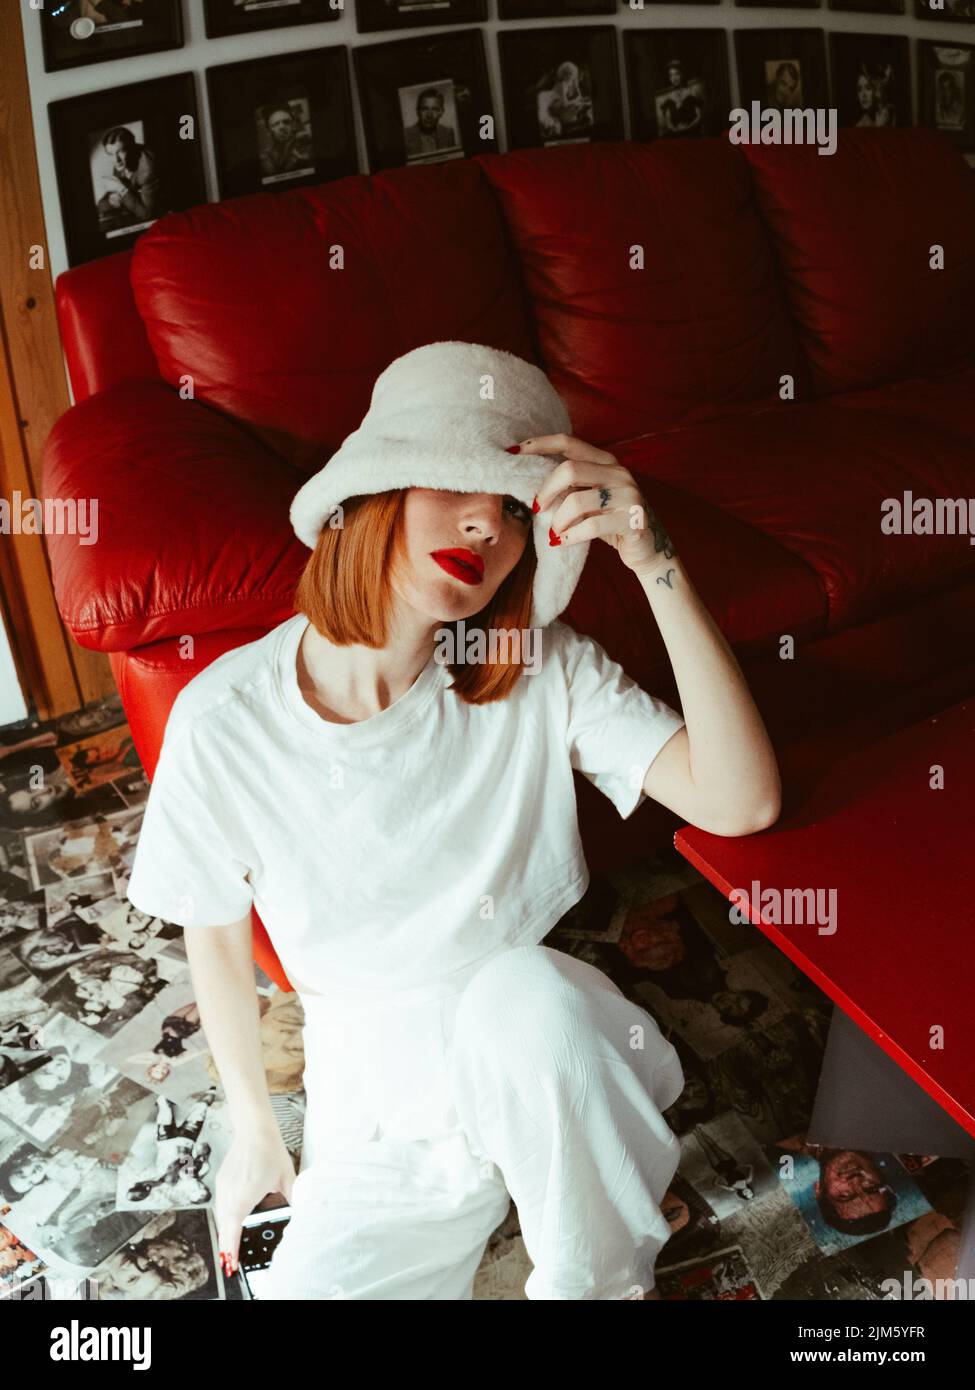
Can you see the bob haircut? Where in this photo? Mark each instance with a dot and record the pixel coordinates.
(345, 591)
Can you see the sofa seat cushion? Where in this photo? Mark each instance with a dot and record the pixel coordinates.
(853, 233)
(813, 477)
(285, 309)
(701, 330)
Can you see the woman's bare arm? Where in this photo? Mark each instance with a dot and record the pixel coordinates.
(222, 970)
(719, 772)
(257, 1161)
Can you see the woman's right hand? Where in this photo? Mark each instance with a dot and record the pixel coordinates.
(256, 1163)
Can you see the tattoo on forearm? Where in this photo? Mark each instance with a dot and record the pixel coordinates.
(665, 578)
(661, 541)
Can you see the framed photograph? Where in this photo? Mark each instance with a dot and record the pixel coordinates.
(373, 15)
(871, 79)
(423, 99)
(869, 6)
(946, 82)
(125, 157)
(678, 82)
(950, 11)
(561, 86)
(553, 9)
(781, 68)
(75, 32)
(282, 121)
(244, 16)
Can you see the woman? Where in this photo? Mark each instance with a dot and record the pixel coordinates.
(410, 840)
(874, 88)
(866, 97)
(681, 107)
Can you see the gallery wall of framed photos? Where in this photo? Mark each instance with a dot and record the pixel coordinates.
(145, 106)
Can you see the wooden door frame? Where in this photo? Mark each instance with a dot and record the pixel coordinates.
(55, 672)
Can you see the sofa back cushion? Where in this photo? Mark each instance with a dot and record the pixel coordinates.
(104, 338)
(284, 308)
(699, 330)
(853, 233)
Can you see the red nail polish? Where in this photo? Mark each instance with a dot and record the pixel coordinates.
(534, 504)
(553, 539)
(513, 449)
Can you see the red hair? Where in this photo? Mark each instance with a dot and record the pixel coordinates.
(345, 592)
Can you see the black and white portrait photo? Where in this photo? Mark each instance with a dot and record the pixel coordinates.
(173, 1257)
(284, 139)
(949, 98)
(35, 802)
(127, 181)
(680, 105)
(782, 69)
(172, 1163)
(430, 130)
(282, 121)
(425, 100)
(63, 1206)
(783, 83)
(75, 32)
(678, 82)
(107, 987)
(561, 86)
(947, 90)
(125, 157)
(563, 102)
(871, 80)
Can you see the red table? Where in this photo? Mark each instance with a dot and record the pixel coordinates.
(899, 961)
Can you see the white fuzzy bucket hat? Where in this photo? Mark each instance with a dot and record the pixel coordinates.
(442, 416)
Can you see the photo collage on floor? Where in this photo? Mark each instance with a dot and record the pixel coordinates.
(113, 1122)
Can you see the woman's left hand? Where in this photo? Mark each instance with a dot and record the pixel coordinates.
(593, 495)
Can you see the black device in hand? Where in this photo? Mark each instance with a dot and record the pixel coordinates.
(260, 1237)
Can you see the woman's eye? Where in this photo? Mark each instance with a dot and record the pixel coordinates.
(522, 511)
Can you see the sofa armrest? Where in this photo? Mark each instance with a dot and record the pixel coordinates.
(165, 518)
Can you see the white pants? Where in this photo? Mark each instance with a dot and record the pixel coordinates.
(536, 1080)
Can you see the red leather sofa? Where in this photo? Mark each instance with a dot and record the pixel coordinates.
(225, 357)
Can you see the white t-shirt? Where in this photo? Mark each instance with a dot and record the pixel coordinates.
(389, 853)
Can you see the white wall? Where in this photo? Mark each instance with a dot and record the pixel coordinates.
(199, 52)
(12, 704)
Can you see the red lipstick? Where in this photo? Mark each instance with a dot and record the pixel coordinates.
(462, 564)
